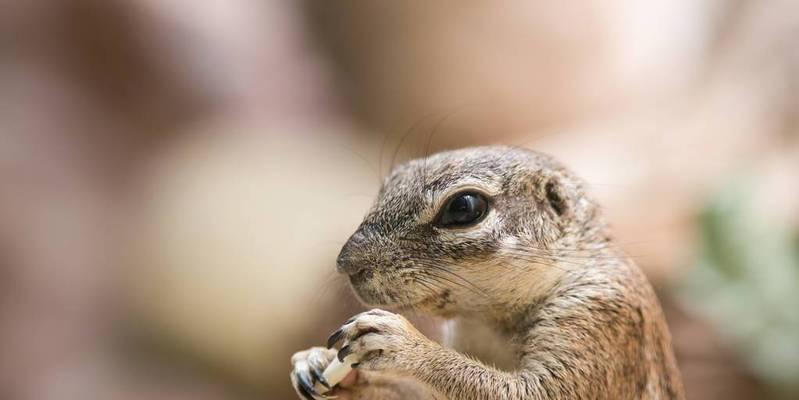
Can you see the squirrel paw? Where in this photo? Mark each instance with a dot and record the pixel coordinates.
(309, 366)
(379, 340)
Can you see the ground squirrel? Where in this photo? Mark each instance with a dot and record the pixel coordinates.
(505, 243)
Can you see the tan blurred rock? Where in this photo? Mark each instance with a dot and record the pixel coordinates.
(238, 239)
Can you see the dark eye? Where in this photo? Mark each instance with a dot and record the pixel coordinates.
(463, 209)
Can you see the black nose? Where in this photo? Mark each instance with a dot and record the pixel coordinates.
(348, 262)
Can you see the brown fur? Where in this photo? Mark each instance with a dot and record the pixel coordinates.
(539, 277)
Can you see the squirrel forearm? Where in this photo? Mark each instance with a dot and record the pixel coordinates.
(460, 377)
(566, 356)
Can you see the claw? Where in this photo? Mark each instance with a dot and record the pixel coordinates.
(317, 367)
(320, 377)
(306, 386)
(304, 393)
(334, 338)
(344, 352)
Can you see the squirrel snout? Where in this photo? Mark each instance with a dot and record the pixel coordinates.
(347, 262)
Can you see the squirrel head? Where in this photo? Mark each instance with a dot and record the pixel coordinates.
(469, 230)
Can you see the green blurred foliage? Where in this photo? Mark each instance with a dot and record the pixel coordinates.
(746, 283)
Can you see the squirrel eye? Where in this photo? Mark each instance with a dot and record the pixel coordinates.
(463, 209)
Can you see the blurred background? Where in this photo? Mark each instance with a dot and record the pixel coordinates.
(176, 177)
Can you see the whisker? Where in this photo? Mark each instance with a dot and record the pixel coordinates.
(405, 136)
(560, 252)
(548, 260)
(464, 283)
(428, 145)
(431, 288)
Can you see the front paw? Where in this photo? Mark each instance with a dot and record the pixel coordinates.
(379, 340)
(308, 370)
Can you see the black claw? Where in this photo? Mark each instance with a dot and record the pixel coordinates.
(305, 393)
(345, 351)
(307, 385)
(320, 377)
(334, 338)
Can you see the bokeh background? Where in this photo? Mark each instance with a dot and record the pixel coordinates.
(177, 176)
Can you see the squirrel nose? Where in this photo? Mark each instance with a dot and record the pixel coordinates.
(346, 262)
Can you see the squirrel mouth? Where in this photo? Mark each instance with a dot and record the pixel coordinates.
(363, 287)
(360, 277)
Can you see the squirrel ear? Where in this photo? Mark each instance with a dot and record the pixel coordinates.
(555, 198)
